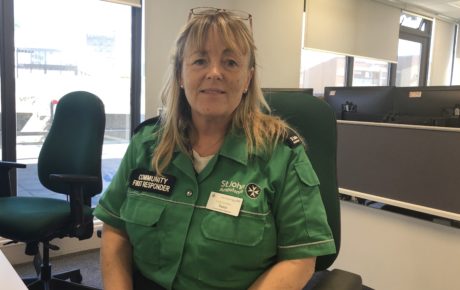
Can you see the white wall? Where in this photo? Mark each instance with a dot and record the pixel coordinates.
(278, 36)
(277, 31)
(396, 252)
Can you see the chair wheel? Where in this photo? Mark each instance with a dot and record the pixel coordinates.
(76, 278)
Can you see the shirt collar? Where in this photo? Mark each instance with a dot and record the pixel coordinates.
(235, 147)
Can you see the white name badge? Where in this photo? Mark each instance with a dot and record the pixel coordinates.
(223, 203)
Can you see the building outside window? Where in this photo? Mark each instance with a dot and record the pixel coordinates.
(63, 46)
(369, 72)
(321, 69)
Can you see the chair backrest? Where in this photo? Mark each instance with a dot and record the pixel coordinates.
(74, 142)
(316, 122)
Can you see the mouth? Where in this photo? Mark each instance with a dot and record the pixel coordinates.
(212, 91)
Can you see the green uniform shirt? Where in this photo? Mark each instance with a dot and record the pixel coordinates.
(181, 244)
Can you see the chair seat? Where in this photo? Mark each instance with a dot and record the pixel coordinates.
(34, 218)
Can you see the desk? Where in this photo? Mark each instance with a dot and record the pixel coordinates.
(10, 279)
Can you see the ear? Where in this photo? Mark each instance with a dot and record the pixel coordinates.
(250, 75)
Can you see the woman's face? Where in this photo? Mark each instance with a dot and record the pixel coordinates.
(214, 79)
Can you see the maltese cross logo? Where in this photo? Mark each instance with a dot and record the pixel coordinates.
(252, 190)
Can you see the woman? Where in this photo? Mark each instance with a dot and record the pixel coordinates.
(215, 194)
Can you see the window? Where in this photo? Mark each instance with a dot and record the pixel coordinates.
(368, 72)
(409, 63)
(56, 52)
(321, 69)
(413, 50)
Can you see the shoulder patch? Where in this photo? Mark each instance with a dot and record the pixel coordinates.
(150, 121)
(293, 140)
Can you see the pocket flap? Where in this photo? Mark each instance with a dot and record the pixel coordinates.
(306, 174)
(142, 212)
(242, 230)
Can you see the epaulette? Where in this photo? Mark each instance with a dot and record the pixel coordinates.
(293, 140)
(150, 121)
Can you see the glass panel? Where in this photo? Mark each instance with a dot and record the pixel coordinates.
(368, 72)
(412, 21)
(321, 69)
(63, 46)
(409, 60)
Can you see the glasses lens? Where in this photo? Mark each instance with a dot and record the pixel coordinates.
(240, 14)
(204, 11)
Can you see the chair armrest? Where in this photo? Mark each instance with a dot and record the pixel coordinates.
(83, 228)
(339, 280)
(74, 179)
(5, 182)
(10, 165)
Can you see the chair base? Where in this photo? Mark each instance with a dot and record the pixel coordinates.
(57, 284)
(73, 275)
(48, 281)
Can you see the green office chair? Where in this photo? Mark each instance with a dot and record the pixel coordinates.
(315, 121)
(69, 163)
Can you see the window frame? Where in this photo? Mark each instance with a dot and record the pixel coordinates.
(7, 78)
(424, 39)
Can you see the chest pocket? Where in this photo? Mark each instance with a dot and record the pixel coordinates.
(142, 222)
(242, 230)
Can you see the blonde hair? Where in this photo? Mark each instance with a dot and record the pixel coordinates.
(262, 130)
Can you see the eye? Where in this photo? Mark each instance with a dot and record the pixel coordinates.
(199, 61)
(231, 63)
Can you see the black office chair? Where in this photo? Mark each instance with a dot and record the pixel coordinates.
(316, 122)
(69, 163)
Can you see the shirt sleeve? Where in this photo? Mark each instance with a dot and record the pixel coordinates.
(108, 208)
(300, 216)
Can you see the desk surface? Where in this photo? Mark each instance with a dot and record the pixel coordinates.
(10, 279)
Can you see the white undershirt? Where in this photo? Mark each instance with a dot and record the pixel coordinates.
(199, 162)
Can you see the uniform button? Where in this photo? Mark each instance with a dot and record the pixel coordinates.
(189, 193)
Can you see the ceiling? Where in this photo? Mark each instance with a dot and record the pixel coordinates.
(449, 9)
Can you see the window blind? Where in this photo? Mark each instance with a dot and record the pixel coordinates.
(364, 28)
(456, 70)
(442, 53)
(134, 3)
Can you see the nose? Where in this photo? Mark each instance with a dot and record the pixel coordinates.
(215, 71)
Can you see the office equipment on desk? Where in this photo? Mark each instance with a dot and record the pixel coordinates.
(429, 106)
(425, 106)
(10, 280)
(371, 104)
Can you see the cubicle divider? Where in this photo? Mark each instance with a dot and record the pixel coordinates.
(428, 106)
(371, 104)
(432, 106)
(268, 91)
(404, 166)
(398, 148)
(410, 169)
